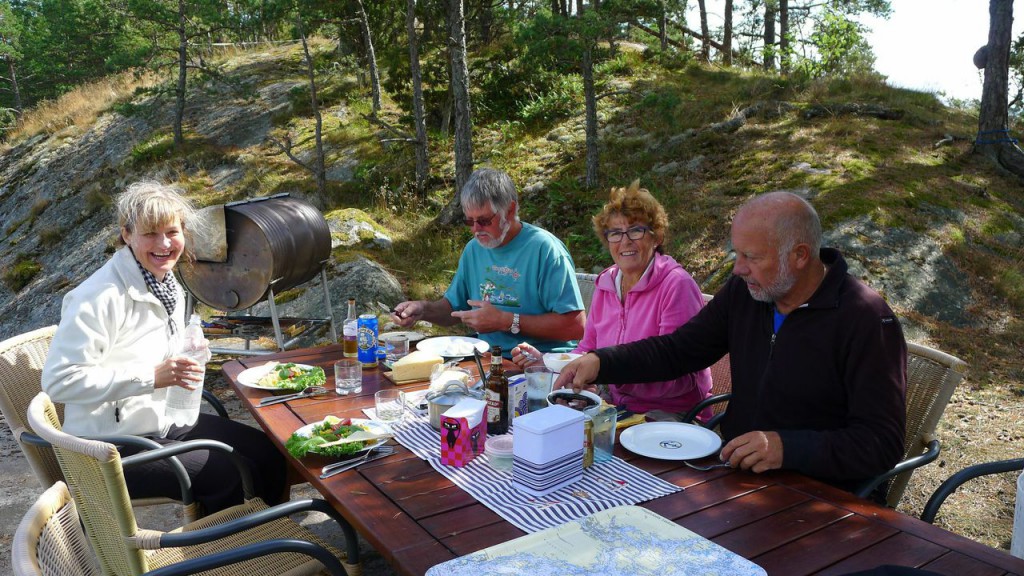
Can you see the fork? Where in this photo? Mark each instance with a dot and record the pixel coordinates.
(377, 452)
(708, 467)
(305, 393)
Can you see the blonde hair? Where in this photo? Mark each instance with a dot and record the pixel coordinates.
(636, 204)
(146, 205)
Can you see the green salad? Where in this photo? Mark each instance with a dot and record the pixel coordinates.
(331, 429)
(291, 376)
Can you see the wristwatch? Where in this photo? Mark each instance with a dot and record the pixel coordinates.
(515, 323)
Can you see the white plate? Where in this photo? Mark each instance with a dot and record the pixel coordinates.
(413, 337)
(251, 376)
(446, 346)
(670, 440)
(375, 426)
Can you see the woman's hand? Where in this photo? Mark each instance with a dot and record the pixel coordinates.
(525, 355)
(178, 371)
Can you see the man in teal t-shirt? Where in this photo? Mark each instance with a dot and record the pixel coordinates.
(515, 282)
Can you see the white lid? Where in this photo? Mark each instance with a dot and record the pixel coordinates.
(548, 419)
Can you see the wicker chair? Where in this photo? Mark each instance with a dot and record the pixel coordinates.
(586, 283)
(721, 389)
(932, 375)
(246, 539)
(21, 365)
(49, 540)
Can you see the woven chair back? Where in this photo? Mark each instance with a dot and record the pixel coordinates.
(49, 540)
(932, 376)
(21, 367)
(94, 475)
(586, 284)
(721, 375)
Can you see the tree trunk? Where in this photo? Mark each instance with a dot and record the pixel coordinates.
(590, 96)
(663, 26)
(320, 198)
(727, 35)
(371, 58)
(486, 18)
(463, 120)
(784, 36)
(993, 138)
(15, 91)
(769, 35)
(179, 89)
(422, 160)
(705, 36)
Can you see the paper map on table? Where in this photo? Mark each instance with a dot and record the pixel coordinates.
(626, 540)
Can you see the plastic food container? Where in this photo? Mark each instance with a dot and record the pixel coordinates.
(499, 452)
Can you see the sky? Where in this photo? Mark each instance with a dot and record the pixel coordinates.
(925, 44)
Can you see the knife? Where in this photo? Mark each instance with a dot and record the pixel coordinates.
(358, 462)
(386, 308)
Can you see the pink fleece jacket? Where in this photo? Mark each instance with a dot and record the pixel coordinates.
(664, 299)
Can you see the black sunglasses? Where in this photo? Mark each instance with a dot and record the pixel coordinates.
(482, 222)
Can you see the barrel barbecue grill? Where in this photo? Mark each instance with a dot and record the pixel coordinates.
(248, 250)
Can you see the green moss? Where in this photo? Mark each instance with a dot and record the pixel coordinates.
(50, 236)
(158, 147)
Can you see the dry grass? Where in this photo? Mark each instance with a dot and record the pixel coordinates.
(81, 106)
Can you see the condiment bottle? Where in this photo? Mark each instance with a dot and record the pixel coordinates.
(496, 395)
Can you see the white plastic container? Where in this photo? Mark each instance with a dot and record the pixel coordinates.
(181, 405)
(548, 434)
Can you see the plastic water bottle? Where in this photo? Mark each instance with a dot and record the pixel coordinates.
(182, 406)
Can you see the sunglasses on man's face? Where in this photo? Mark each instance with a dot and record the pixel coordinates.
(481, 222)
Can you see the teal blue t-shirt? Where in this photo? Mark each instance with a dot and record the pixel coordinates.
(532, 274)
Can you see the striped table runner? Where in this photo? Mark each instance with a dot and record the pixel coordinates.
(604, 485)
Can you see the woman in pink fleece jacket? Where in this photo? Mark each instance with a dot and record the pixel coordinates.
(645, 293)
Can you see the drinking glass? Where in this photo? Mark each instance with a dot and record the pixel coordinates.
(538, 386)
(348, 376)
(604, 419)
(390, 405)
(396, 346)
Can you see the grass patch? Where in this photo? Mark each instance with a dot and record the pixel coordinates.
(81, 106)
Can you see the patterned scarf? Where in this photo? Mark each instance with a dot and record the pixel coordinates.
(166, 292)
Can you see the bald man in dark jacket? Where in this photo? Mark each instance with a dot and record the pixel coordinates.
(818, 358)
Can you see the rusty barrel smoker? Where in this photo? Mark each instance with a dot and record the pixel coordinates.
(262, 246)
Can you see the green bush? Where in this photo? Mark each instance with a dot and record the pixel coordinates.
(51, 236)
(19, 275)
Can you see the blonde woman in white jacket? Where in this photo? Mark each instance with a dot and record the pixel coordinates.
(115, 355)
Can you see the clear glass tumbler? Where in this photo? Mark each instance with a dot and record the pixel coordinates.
(348, 376)
(604, 418)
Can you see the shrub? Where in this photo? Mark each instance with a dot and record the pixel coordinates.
(19, 275)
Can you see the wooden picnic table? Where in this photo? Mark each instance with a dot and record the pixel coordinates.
(787, 523)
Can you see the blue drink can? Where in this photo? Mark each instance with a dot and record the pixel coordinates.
(366, 340)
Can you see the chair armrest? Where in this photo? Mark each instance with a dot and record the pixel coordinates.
(690, 416)
(215, 403)
(250, 551)
(930, 454)
(946, 489)
(137, 441)
(190, 445)
(192, 537)
(147, 444)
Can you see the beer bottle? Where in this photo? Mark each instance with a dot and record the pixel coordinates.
(350, 329)
(496, 396)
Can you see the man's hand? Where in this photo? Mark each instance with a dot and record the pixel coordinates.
(407, 313)
(756, 451)
(484, 317)
(579, 373)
